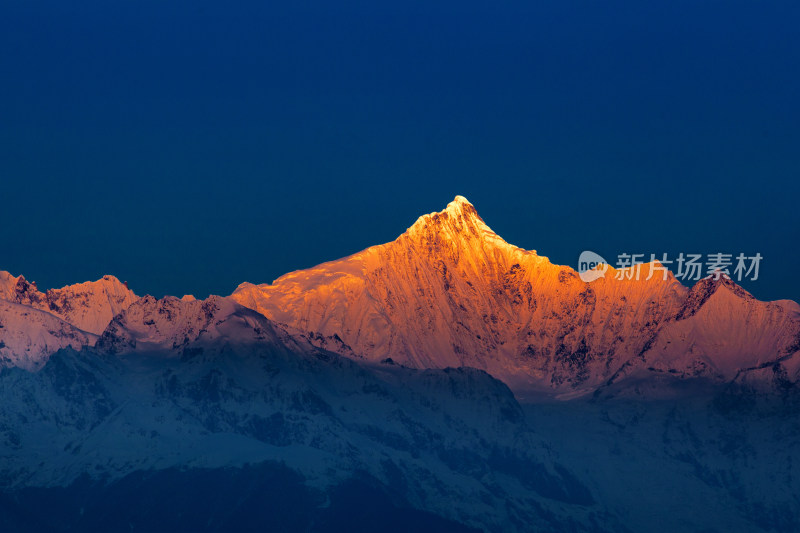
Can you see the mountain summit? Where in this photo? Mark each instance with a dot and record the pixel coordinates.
(450, 292)
(88, 306)
(459, 221)
(36, 324)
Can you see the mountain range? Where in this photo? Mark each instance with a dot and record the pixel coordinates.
(446, 380)
(449, 292)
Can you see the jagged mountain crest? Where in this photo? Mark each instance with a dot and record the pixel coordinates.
(168, 325)
(459, 223)
(88, 306)
(35, 324)
(705, 289)
(450, 292)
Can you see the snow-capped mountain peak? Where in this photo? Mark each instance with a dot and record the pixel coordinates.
(35, 324)
(458, 225)
(88, 306)
(169, 325)
(8, 285)
(450, 292)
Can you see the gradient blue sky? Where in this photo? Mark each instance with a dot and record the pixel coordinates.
(189, 147)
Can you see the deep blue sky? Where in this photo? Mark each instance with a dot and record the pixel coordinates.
(191, 147)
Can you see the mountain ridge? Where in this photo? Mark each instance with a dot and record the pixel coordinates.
(89, 306)
(450, 292)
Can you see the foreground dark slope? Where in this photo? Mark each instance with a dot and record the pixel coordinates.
(205, 416)
(184, 402)
(712, 463)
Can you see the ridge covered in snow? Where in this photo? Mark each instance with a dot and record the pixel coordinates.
(28, 336)
(151, 324)
(451, 292)
(35, 324)
(89, 306)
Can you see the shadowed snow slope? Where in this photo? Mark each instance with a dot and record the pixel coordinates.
(34, 324)
(187, 386)
(28, 336)
(170, 323)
